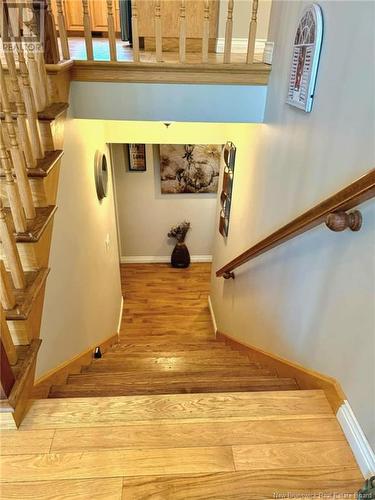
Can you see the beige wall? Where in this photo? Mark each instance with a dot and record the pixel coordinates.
(241, 18)
(145, 215)
(312, 299)
(83, 295)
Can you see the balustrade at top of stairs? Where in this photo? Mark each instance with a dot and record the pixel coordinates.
(32, 113)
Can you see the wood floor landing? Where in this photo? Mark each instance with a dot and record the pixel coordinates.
(236, 445)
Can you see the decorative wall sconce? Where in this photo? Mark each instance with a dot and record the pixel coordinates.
(101, 175)
(226, 192)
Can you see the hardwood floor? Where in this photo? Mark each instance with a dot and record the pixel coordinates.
(236, 445)
(125, 53)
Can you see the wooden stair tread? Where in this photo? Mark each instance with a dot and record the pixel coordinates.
(126, 364)
(44, 165)
(53, 111)
(25, 298)
(140, 368)
(135, 349)
(104, 411)
(149, 377)
(35, 227)
(50, 113)
(165, 339)
(22, 371)
(177, 355)
(117, 384)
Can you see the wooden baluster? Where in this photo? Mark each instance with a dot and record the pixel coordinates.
(158, 35)
(7, 297)
(206, 31)
(62, 30)
(252, 33)
(6, 337)
(136, 57)
(111, 31)
(10, 250)
(30, 28)
(35, 80)
(228, 33)
(11, 188)
(39, 54)
(182, 44)
(44, 78)
(32, 117)
(87, 30)
(20, 105)
(18, 158)
(51, 44)
(7, 379)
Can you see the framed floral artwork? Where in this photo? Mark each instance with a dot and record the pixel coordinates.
(190, 168)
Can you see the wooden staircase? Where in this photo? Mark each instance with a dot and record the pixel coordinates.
(167, 345)
(32, 114)
(131, 430)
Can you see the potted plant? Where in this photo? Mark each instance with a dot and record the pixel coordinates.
(180, 256)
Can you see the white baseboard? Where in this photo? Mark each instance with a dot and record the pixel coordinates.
(361, 448)
(213, 319)
(239, 45)
(152, 259)
(120, 316)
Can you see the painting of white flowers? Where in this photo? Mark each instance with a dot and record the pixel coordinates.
(190, 168)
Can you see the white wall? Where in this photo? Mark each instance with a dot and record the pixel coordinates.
(83, 295)
(168, 102)
(145, 215)
(312, 299)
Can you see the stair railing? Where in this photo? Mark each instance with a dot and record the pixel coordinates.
(158, 32)
(332, 211)
(18, 159)
(23, 92)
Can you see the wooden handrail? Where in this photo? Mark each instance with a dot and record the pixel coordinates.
(357, 192)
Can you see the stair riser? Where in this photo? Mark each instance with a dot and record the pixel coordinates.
(52, 133)
(23, 331)
(43, 189)
(33, 255)
(186, 389)
(214, 378)
(109, 369)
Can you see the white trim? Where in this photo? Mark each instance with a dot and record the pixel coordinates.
(361, 448)
(155, 259)
(213, 319)
(120, 316)
(239, 45)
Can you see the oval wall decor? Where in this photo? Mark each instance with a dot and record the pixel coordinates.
(101, 175)
(305, 60)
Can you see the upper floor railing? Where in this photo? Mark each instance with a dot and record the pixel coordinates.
(192, 16)
(332, 211)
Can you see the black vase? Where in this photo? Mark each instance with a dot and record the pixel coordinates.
(180, 256)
